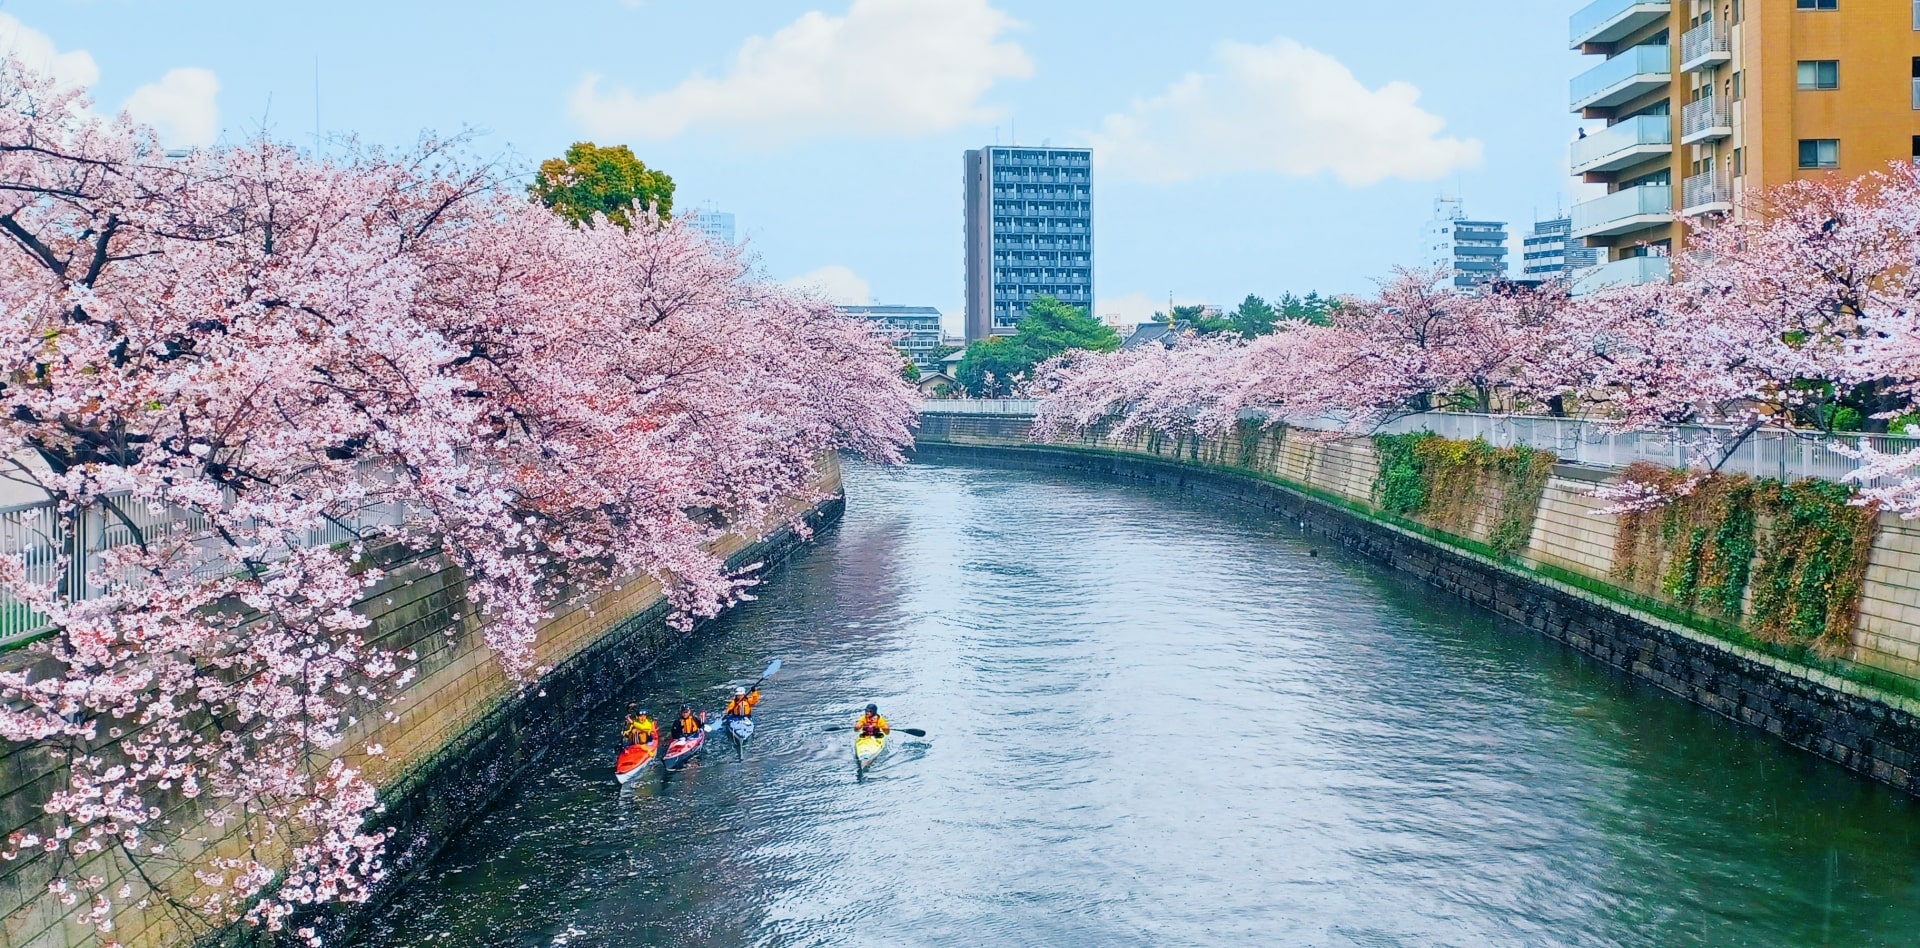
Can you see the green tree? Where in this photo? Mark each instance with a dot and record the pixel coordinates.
(993, 366)
(1254, 317)
(1311, 308)
(609, 181)
(909, 371)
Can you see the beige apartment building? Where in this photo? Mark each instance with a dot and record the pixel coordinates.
(1709, 103)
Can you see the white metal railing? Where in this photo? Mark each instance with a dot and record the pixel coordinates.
(1769, 452)
(1706, 192)
(1709, 42)
(42, 539)
(1707, 117)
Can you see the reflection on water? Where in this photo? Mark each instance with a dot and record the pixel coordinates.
(1154, 720)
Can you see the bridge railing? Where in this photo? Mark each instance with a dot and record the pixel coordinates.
(1788, 455)
(64, 551)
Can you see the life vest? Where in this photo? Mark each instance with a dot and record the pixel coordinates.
(742, 705)
(688, 724)
(872, 726)
(641, 730)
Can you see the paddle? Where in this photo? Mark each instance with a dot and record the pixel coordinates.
(916, 732)
(773, 668)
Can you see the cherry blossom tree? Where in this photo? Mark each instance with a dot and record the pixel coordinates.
(231, 359)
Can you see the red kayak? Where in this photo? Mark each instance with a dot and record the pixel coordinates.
(635, 759)
(682, 749)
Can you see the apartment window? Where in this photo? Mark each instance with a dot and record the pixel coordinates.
(1819, 74)
(1916, 148)
(1740, 159)
(1816, 4)
(1819, 153)
(1735, 19)
(1739, 83)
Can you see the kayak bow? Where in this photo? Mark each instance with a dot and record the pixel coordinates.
(634, 759)
(866, 750)
(683, 749)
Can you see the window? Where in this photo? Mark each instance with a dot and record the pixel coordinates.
(1816, 4)
(1819, 74)
(1819, 153)
(1739, 82)
(1740, 159)
(1736, 11)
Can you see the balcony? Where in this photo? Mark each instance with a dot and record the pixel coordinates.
(1708, 193)
(1705, 46)
(1623, 78)
(1708, 119)
(1623, 144)
(1622, 212)
(1610, 21)
(1632, 271)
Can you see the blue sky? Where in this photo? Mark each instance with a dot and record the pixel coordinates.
(1245, 146)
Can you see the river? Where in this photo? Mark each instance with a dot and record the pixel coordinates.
(1155, 719)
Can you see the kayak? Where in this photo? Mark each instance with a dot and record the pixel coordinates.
(740, 729)
(866, 750)
(683, 749)
(634, 759)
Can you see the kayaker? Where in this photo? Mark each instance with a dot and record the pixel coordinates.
(871, 724)
(641, 729)
(743, 703)
(689, 723)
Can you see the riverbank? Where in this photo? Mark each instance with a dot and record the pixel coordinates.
(1156, 718)
(1556, 581)
(457, 736)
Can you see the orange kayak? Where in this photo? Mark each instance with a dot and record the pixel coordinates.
(634, 759)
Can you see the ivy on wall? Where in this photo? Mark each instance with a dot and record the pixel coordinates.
(1448, 483)
(1802, 548)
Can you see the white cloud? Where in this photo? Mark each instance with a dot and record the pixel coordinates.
(36, 50)
(888, 67)
(180, 107)
(1283, 109)
(836, 284)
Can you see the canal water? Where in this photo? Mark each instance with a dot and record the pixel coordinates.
(1155, 719)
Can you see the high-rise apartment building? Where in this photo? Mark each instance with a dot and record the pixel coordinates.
(916, 328)
(1470, 252)
(715, 225)
(1029, 233)
(1549, 252)
(1709, 103)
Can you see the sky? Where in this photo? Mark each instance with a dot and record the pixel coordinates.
(1241, 146)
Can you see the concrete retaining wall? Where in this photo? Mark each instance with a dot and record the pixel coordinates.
(463, 733)
(1327, 486)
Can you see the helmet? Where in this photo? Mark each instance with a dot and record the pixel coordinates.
(873, 709)
(686, 709)
(739, 692)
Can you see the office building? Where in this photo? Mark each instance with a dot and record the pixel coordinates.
(1549, 252)
(715, 225)
(1710, 103)
(1471, 253)
(916, 330)
(1029, 232)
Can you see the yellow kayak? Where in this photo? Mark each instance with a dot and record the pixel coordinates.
(866, 750)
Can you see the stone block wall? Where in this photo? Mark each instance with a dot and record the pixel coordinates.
(1328, 485)
(463, 730)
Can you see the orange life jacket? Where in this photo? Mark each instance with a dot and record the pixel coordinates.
(741, 706)
(688, 725)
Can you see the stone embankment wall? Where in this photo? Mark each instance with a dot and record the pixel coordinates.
(462, 733)
(1851, 709)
